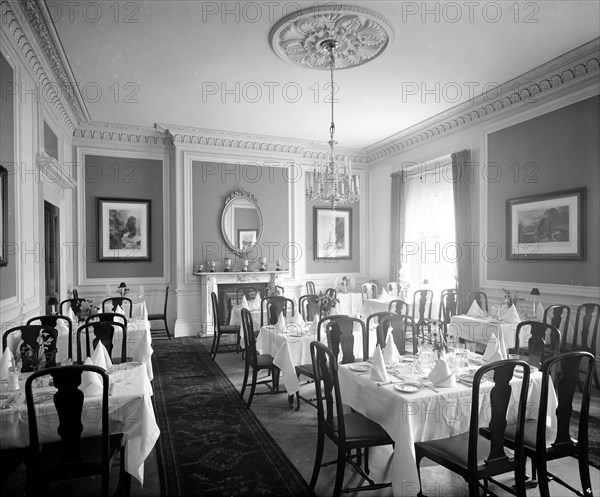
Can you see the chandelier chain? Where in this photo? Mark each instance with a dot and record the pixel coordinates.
(332, 64)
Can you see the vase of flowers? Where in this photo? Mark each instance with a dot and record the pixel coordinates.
(85, 309)
(37, 358)
(326, 303)
(440, 341)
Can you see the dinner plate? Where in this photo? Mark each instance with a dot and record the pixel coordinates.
(466, 378)
(360, 368)
(408, 387)
(42, 397)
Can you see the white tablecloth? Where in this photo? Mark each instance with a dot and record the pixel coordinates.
(130, 412)
(421, 416)
(349, 304)
(371, 306)
(236, 318)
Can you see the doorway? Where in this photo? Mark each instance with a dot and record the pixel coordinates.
(51, 252)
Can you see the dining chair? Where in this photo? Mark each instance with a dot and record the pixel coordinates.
(398, 306)
(544, 341)
(449, 306)
(374, 321)
(480, 297)
(52, 321)
(162, 316)
(222, 329)
(73, 304)
(110, 305)
(104, 332)
(542, 443)
(29, 345)
(309, 307)
(331, 293)
(257, 362)
(393, 289)
(369, 291)
(558, 315)
(275, 290)
(73, 456)
(470, 454)
(585, 333)
(107, 317)
(347, 430)
(340, 334)
(421, 311)
(402, 327)
(310, 288)
(273, 306)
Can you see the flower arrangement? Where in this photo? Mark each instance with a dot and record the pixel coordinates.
(85, 309)
(326, 303)
(511, 298)
(272, 290)
(34, 360)
(344, 284)
(440, 341)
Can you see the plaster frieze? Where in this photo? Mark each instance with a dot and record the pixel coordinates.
(578, 65)
(122, 133)
(14, 27)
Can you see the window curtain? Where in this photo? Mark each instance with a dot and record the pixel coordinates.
(462, 180)
(397, 223)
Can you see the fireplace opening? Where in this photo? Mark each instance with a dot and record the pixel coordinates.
(228, 297)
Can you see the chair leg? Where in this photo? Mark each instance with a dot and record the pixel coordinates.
(339, 473)
(473, 488)
(367, 470)
(584, 474)
(167, 329)
(298, 401)
(418, 461)
(252, 387)
(318, 458)
(214, 344)
(245, 382)
(543, 478)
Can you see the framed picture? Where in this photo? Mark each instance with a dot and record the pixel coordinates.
(3, 215)
(246, 239)
(332, 233)
(123, 229)
(546, 226)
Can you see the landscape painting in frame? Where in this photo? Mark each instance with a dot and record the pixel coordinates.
(123, 230)
(546, 226)
(332, 233)
(246, 239)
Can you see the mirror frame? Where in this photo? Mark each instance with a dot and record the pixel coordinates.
(241, 193)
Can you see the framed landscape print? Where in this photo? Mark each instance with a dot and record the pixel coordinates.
(332, 233)
(123, 230)
(546, 226)
(247, 239)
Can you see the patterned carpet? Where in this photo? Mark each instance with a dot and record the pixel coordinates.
(210, 444)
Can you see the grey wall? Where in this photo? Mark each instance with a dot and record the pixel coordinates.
(8, 273)
(556, 151)
(123, 178)
(212, 183)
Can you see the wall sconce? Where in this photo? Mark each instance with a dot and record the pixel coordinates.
(52, 303)
(122, 289)
(536, 293)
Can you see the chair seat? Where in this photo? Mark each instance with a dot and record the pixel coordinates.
(361, 430)
(154, 317)
(530, 435)
(264, 360)
(455, 449)
(306, 370)
(229, 328)
(91, 453)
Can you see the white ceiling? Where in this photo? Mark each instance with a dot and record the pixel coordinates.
(155, 69)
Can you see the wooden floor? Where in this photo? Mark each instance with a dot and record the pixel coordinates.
(295, 432)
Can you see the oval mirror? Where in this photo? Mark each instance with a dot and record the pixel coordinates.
(241, 222)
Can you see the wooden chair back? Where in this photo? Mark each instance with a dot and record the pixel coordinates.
(449, 305)
(398, 306)
(401, 325)
(309, 307)
(52, 321)
(421, 306)
(369, 291)
(110, 305)
(73, 304)
(340, 337)
(586, 327)
(273, 306)
(393, 289)
(480, 297)
(544, 340)
(101, 331)
(29, 346)
(310, 288)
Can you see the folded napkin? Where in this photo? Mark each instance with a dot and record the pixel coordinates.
(441, 375)
(539, 312)
(71, 315)
(6, 361)
(100, 357)
(510, 315)
(378, 372)
(384, 295)
(391, 355)
(91, 383)
(475, 310)
(254, 305)
(280, 326)
(298, 319)
(244, 303)
(494, 350)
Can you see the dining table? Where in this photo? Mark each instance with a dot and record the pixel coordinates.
(416, 414)
(371, 306)
(236, 319)
(349, 304)
(130, 412)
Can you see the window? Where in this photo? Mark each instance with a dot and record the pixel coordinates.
(429, 248)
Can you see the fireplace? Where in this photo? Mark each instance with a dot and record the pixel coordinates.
(224, 285)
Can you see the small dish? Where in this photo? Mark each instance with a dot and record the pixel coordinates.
(359, 368)
(408, 358)
(466, 378)
(408, 387)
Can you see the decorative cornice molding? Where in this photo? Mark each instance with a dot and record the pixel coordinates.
(574, 66)
(122, 133)
(13, 26)
(40, 22)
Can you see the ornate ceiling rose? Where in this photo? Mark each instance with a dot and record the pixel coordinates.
(359, 34)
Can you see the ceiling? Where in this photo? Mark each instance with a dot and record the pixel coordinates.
(210, 65)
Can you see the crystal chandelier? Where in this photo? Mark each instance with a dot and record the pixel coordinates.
(331, 181)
